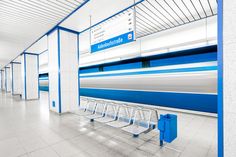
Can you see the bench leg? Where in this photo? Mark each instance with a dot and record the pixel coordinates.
(161, 143)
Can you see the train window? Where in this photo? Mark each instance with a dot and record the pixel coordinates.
(101, 68)
(145, 63)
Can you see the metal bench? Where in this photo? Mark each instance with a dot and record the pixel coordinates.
(124, 117)
(90, 108)
(82, 107)
(99, 112)
(110, 113)
(141, 122)
(154, 119)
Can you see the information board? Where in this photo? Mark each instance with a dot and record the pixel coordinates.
(115, 31)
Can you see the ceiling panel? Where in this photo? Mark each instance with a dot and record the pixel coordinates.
(23, 21)
(95, 11)
(153, 16)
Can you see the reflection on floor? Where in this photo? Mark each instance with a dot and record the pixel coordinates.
(28, 129)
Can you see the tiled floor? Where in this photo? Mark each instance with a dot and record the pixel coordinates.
(28, 129)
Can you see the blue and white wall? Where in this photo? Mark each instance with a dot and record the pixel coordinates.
(3, 80)
(8, 79)
(0, 79)
(43, 62)
(63, 71)
(30, 72)
(16, 78)
(229, 75)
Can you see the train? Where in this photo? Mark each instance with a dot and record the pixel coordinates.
(185, 79)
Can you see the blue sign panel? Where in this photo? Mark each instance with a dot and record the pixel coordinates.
(118, 40)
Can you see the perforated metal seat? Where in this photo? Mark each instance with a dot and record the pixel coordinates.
(110, 113)
(83, 105)
(99, 112)
(154, 119)
(91, 106)
(124, 117)
(141, 122)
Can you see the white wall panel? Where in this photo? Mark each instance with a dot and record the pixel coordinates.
(69, 70)
(84, 42)
(0, 79)
(211, 27)
(43, 62)
(43, 58)
(53, 71)
(23, 76)
(63, 71)
(3, 80)
(16, 78)
(187, 33)
(29, 68)
(32, 76)
(8, 79)
(229, 75)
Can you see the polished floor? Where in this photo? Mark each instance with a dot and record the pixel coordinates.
(28, 129)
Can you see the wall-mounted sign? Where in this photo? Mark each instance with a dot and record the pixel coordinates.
(116, 31)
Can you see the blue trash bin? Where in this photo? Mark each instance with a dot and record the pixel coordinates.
(167, 124)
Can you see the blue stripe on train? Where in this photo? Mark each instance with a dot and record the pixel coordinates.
(196, 55)
(43, 78)
(188, 101)
(43, 88)
(197, 58)
(156, 62)
(194, 69)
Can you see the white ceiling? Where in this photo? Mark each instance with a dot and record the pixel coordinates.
(24, 21)
(80, 20)
(95, 11)
(40, 46)
(151, 15)
(154, 16)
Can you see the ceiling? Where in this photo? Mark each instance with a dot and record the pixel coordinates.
(94, 12)
(24, 21)
(153, 16)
